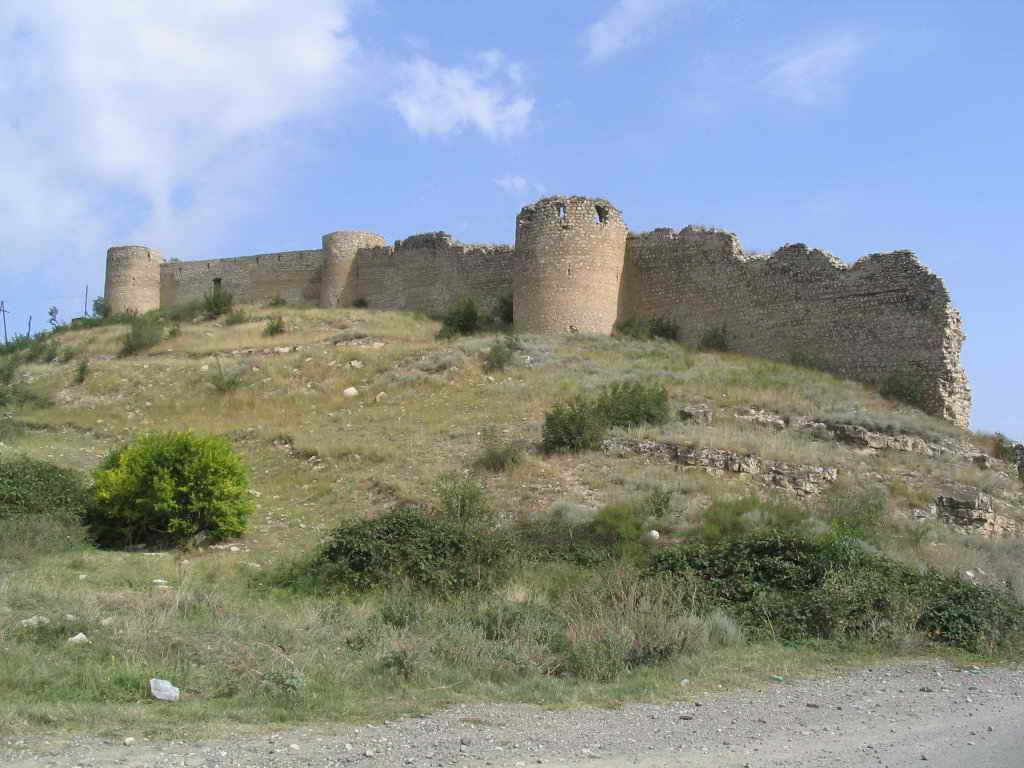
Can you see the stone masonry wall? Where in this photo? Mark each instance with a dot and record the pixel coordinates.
(133, 278)
(569, 265)
(431, 273)
(293, 275)
(863, 322)
(338, 286)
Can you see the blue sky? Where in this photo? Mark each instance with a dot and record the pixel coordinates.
(229, 127)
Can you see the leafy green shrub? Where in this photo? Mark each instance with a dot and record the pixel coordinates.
(236, 317)
(462, 499)
(499, 354)
(858, 515)
(8, 369)
(631, 403)
(217, 301)
(407, 546)
(274, 326)
(14, 394)
(905, 385)
(164, 488)
(31, 487)
(462, 320)
(715, 340)
(797, 587)
(144, 332)
(573, 426)
(360, 302)
(1001, 447)
(652, 327)
(498, 455)
(81, 371)
(278, 301)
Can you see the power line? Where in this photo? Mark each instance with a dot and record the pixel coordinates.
(3, 313)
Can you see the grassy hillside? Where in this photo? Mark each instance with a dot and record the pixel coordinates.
(245, 647)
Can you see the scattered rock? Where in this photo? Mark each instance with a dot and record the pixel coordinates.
(982, 461)
(969, 510)
(79, 639)
(696, 414)
(128, 741)
(163, 690)
(763, 418)
(356, 363)
(380, 396)
(350, 392)
(282, 350)
(802, 479)
(34, 621)
(160, 582)
(653, 535)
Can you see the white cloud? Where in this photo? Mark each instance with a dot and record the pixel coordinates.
(816, 72)
(516, 185)
(436, 100)
(146, 100)
(625, 24)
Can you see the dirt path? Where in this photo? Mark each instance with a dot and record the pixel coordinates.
(915, 713)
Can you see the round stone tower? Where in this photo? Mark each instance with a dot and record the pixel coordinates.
(133, 278)
(338, 284)
(569, 258)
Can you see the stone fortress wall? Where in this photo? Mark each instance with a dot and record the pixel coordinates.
(576, 268)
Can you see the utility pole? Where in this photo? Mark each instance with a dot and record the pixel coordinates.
(30, 326)
(85, 311)
(3, 313)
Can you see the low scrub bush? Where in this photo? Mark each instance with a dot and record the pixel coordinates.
(715, 340)
(631, 403)
(37, 488)
(278, 301)
(236, 317)
(462, 320)
(165, 488)
(409, 547)
(797, 587)
(905, 385)
(498, 454)
(217, 301)
(81, 372)
(144, 332)
(573, 426)
(725, 518)
(41, 349)
(184, 313)
(226, 382)
(462, 499)
(274, 326)
(360, 302)
(652, 327)
(504, 312)
(498, 355)
(12, 393)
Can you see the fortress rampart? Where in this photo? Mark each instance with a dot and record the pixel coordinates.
(576, 268)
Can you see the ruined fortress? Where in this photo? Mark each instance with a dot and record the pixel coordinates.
(575, 267)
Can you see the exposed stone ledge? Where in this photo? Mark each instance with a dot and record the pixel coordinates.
(969, 510)
(802, 479)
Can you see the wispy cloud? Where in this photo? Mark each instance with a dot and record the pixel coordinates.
(516, 185)
(816, 72)
(626, 24)
(489, 95)
(154, 118)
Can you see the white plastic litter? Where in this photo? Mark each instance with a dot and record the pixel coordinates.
(163, 690)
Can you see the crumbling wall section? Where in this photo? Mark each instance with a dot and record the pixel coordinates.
(883, 315)
(293, 275)
(431, 273)
(569, 254)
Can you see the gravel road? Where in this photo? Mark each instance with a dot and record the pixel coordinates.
(915, 713)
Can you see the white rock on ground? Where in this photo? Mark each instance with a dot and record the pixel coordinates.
(350, 392)
(163, 690)
(34, 621)
(78, 639)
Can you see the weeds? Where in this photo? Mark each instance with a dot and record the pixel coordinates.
(217, 301)
(905, 385)
(81, 371)
(498, 355)
(462, 320)
(498, 454)
(236, 317)
(277, 301)
(715, 339)
(646, 328)
(360, 302)
(274, 326)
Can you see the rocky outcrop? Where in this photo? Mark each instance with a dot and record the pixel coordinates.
(969, 510)
(801, 479)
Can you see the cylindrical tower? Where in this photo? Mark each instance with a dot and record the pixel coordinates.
(133, 278)
(338, 284)
(569, 257)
